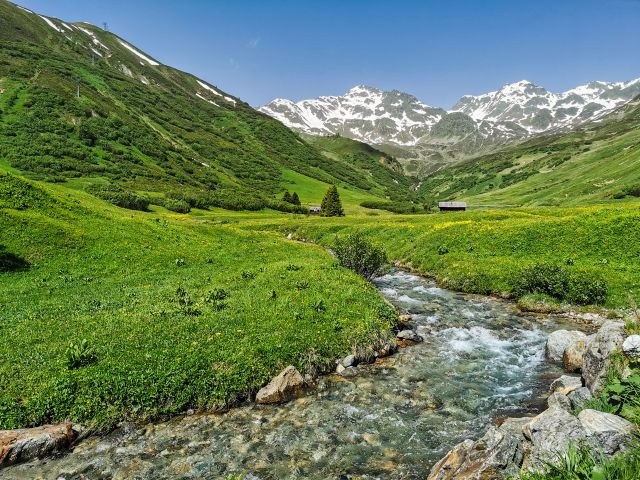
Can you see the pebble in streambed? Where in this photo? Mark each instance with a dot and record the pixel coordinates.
(392, 420)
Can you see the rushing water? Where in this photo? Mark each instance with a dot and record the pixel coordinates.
(480, 359)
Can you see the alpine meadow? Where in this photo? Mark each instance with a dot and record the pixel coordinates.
(195, 287)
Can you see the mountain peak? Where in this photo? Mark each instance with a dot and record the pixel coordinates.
(364, 113)
(363, 89)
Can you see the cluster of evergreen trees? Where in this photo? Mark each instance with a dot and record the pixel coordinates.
(292, 199)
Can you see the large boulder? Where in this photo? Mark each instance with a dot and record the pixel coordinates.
(596, 362)
(565, 384)
(559, 400)
(610, 432)
(631, 346)
(287, 385)
(497, 455)
(550, 433)
(573, 355)
(29, 443)
(558, 342)
(579, 396)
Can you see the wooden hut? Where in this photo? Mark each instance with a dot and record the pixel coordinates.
(452, 206)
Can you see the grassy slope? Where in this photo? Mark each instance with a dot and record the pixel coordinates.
(311, 191)
(587, 166)
(141, 126)
(110, 276)
(487, 250)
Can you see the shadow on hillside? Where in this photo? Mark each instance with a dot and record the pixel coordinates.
(10, 262)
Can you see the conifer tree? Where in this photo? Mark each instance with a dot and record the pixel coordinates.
(331, 204)
(295, 199)
(286, 197)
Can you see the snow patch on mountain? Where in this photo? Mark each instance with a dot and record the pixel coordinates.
(93, 37)
(51, 24)
(214, 91)
(138, 54)
(201, 97)
(207, 87)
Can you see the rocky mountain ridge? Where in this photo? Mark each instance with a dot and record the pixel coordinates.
(434, 137)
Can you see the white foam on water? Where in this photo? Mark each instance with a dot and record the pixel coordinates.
(474, 338)
(408, 299)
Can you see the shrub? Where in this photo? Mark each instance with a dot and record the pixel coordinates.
(557, 281)
(443, 250)
(233, 199)
(119, 197)
(587, 289)
(80, 354)
(360, 255)
(178, 206)
(545, 278)
(282, 206)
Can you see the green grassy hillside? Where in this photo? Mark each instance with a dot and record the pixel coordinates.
(177, 311)
(144, 126)
(598, 163)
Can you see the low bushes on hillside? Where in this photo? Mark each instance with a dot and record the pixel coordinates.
(397, 207)
(119, 197)
(178, 206)
(286, 207)
(560, 282)
(359, 254)
(227, 198)
(631, 191)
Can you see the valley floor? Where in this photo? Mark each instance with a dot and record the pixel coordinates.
(132, 315)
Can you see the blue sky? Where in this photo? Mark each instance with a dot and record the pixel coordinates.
(436, 50)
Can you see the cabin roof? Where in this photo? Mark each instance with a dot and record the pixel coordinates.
(452, 204)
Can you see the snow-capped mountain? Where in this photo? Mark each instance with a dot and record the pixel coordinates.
(363, 113)
(475, 125)
(537, 110)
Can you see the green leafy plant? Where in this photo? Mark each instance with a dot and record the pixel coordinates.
(80, 354)
(186, 303)
(216, 299)
(320, 307)
(302, 285)
(248, 275)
